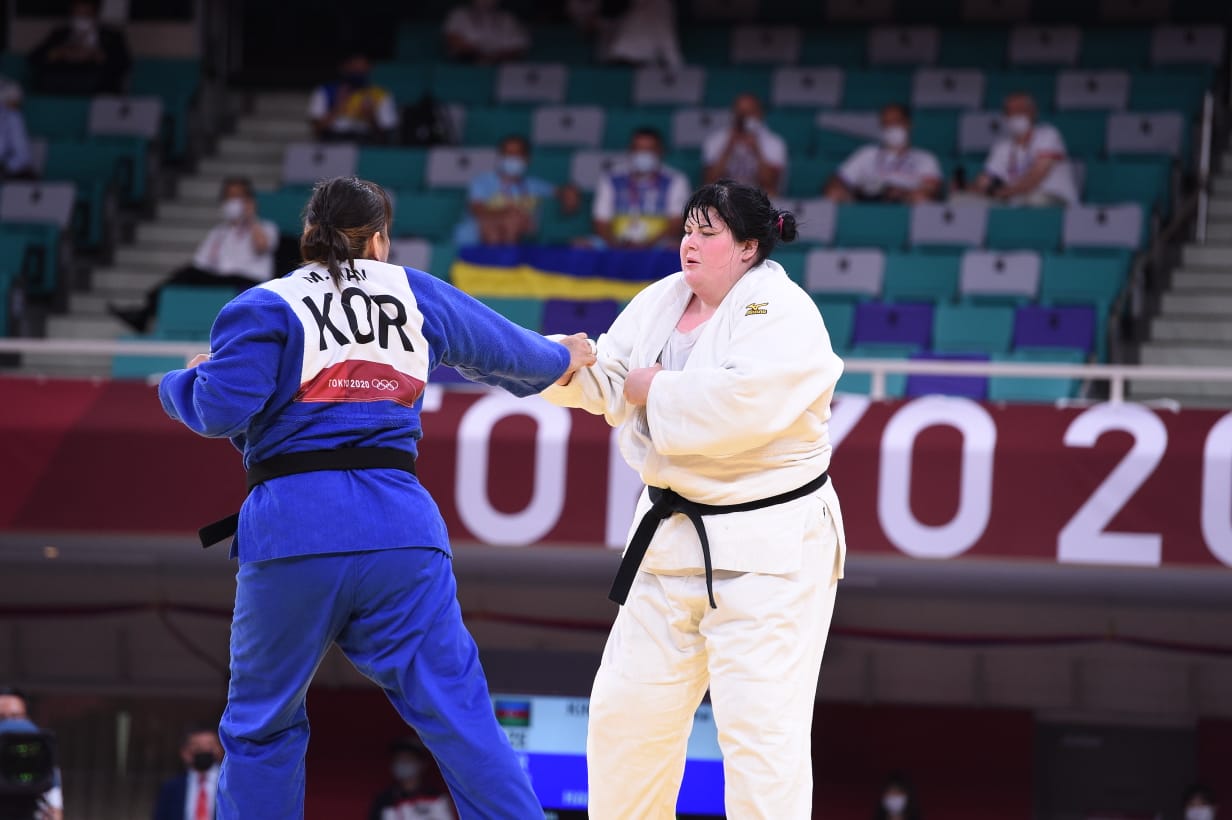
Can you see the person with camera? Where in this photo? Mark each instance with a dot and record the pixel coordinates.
(190, 795)
(746, 151)
(47, 804)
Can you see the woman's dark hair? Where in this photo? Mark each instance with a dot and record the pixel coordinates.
(746, 211)
(339, 219)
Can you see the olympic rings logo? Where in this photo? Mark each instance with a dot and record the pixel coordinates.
(384, 384)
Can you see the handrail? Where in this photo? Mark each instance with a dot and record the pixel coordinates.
(1204, 164)
(1115, 374)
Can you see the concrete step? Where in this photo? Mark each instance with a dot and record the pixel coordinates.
(183, 213)
(222, 167)
(1188, 329)
(1208, 280)
(117, 282)
(1210, 255)
(286, 129)
(1187, 353)
(1220, 208)
(1191, 394)
(1221, 184)
(247, 148)
(153, 257)
(86, 327)
(169, 232)
(94, 302)
(287, 106)
(1219, 231)
(62, 366)
(1198, 303)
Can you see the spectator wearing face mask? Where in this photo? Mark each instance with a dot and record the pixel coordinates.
(190, 796)
(503, 205)
(352, 109)
(639, 205)
(82, 56)
(412, 795)
(897, 801)
(890, 171)
(747, 151)
(237, 253)
(1030, 166)
(1199, 803)
(482, 32)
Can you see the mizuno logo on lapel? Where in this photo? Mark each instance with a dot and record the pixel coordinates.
(756, 309)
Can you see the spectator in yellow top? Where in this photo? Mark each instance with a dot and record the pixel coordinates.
(352, 109)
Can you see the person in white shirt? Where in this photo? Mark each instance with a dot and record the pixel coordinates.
(890, 171)
(1030, 166)
(639, 205)
(746, 151)
(192, 795)
(237, 253)
(645, 35)
(482, 32)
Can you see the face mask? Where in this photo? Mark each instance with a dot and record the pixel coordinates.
(750, 124)
(512, 166)
(406, 769)
(644, 162)
(232, 210)
(894, 137)
(1200, 813)
(203, 761)
(894, 803)
(1018, 124)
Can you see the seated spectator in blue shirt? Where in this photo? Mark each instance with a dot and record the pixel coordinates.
(503, 204)
(15, 160)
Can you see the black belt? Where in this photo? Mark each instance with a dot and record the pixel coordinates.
(309, 461)
(668, 502)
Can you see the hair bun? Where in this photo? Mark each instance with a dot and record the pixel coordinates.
(785, 222)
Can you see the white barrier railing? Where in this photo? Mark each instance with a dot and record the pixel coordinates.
(1115, 374)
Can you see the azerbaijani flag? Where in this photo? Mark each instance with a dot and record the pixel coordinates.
(529, 272)
(512, 712)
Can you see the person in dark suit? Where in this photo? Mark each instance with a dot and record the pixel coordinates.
(82, 56)
(190, 796)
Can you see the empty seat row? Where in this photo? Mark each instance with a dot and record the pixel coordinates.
(791, 86)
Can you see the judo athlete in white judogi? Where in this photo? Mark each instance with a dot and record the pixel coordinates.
(719, 378)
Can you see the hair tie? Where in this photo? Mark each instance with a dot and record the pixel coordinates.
(780, 225)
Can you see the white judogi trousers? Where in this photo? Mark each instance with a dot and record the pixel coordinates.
(759, 652)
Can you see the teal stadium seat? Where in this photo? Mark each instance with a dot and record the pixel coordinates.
(806, 176)
(35, 248)
(1085, 279)
(175, 82)
(870, 89)
(1041, 85)
(15, 67)
(723, 84)
(1145, 181)
(1169, 89)
(1023, 389)
(861, 383)
(985, 329)
(188, 312)
(488, 124)
(466, 84)
(935, 130)
(407, 82)
(1024, 228)
(983, 47)
(705, 45)
(400, 168)
(559, 43)
(794, 259)
(873, 225)
(1115, 48)
(525, 312)
(144, 366)
(840, 320)
(1083, 131)
(418, 41)
(551, 164)
(443, 254)
(56, 118)
(920, 277)
(432, 215)
(608, 86)
(620, 123)
(796, 127)
(688, 162)
(101, 169)
(831, 45)
(285, 209)
(558, 228)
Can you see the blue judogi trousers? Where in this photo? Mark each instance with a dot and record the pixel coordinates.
(396, 616)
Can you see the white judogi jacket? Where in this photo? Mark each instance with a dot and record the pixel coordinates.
(744, 420)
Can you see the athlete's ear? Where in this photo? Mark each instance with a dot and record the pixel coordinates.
(749, 251)
(378, 247)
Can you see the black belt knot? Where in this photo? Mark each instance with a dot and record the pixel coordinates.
(664, 504)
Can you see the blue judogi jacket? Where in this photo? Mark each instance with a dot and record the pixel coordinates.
(302, 363)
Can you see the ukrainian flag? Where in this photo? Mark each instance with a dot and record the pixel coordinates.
(527, 272)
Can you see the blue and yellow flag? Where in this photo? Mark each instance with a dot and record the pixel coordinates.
(527, 272)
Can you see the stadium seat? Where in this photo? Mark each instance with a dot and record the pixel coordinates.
(1085, 90)
(861, 383)
(1068, 279)
(39, 202)
(807, 86)
(1114, 182)
(1041, 85)
(839, 318)
(796, 127)
(144, 366)
(669, 86)
(560, 42)
(903, 45)
(902, 324)
(992, 276)
(1177, 90)
(443, 256)
(40, 216)
(587, 166)
(982, 329)
(1046, 389)
(1024, 228)
(766, 44)
(466, 84)
(1115, 47)
(1104, 226)
(948, 226)
(844, 274)
(566, 316)
(807, 176)
(794, 259)
(558, 228)
(920, 277)
(407, 82)
(125, 116)
(188, 312)
(724, 84)
(975, 47)
(1161, 133)
(101, 170)
(1187, 44)
(303, 163)
(1044, 45)
(947, 88)
(1083, 131)
(691, 126)
(1039, 326)
(608, 86)
(830, 45)
(487, 125)
(525, 312)
(450, 167)
(56, 118)
(428, 214)
(872, 225)
(410, 253)
(400, 168)
(542, 83)
(926, 384)
(573, 126)
(285, 209)
(815, 218)
(620, 123)
(978, 130)
(870, 90)
(175, 82)
(710, 45)
(841, 132)
(687, 162)
(551, 164)
(935, 130)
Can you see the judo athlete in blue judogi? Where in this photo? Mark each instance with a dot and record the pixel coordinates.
(318, 378)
